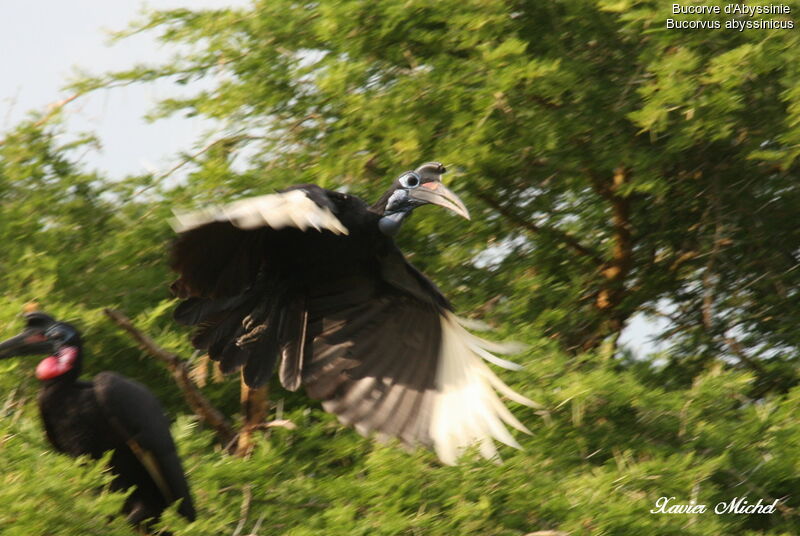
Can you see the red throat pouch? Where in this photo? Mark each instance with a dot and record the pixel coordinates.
(56, 365)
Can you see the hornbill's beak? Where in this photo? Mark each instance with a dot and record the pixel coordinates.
(436, 193)
(29, 342)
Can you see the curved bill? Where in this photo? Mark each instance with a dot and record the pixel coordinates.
(436, 193)
(29, 342)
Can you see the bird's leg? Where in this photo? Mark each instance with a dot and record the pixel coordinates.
(255, 406)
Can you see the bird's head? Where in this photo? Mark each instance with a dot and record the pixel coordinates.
(412, 189)
(45, 335)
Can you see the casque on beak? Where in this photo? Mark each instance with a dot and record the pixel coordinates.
(436, 193)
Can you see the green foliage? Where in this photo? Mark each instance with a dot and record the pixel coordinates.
(606, 447)
(46, 493)
(612, 168)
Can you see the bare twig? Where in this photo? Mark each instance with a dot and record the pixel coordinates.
(257, 526)
(247, 496)
(737, 350)
(227, 140)
(177, 366)
(52, 109)
(277, 423)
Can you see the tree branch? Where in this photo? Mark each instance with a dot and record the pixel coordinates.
(227, 140)
(737, 350)
(52, 109)
(177, 366)
(563, 237)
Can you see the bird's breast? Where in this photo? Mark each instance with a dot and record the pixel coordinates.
(74, 421)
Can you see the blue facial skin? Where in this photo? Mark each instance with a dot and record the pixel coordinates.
(397, 208)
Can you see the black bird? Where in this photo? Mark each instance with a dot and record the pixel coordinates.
(110, 413)
(311, 280)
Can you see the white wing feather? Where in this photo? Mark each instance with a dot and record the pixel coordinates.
(466, 409)
(287, 209)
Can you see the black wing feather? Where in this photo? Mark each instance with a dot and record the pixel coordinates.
(293, 343)
(216, 260)
(373, 372)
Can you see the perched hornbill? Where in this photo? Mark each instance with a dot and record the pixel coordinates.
(311, 280)
(110, 413)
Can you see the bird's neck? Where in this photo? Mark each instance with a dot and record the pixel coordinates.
(392, 208)
(389, 224)
(379, 207)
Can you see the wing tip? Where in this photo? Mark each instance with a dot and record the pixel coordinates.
(185, 221)
(468, 410)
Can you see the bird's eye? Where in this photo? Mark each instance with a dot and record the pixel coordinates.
(409, 180)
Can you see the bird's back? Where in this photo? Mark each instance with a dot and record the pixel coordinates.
(318, 256)
(113, 413)
(139, 423)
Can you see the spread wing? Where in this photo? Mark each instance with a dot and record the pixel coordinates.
(339, 310)
(137, 416)
(400, 367)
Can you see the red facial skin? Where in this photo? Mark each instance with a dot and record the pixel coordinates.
(56, 365)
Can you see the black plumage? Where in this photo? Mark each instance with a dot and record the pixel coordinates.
(310, 281)
(110, 413)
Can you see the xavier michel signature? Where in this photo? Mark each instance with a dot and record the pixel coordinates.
(738, 505)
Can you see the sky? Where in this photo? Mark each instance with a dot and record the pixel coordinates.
(46, 42)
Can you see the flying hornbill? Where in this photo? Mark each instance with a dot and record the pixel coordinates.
(311, 280)
(109, 413)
